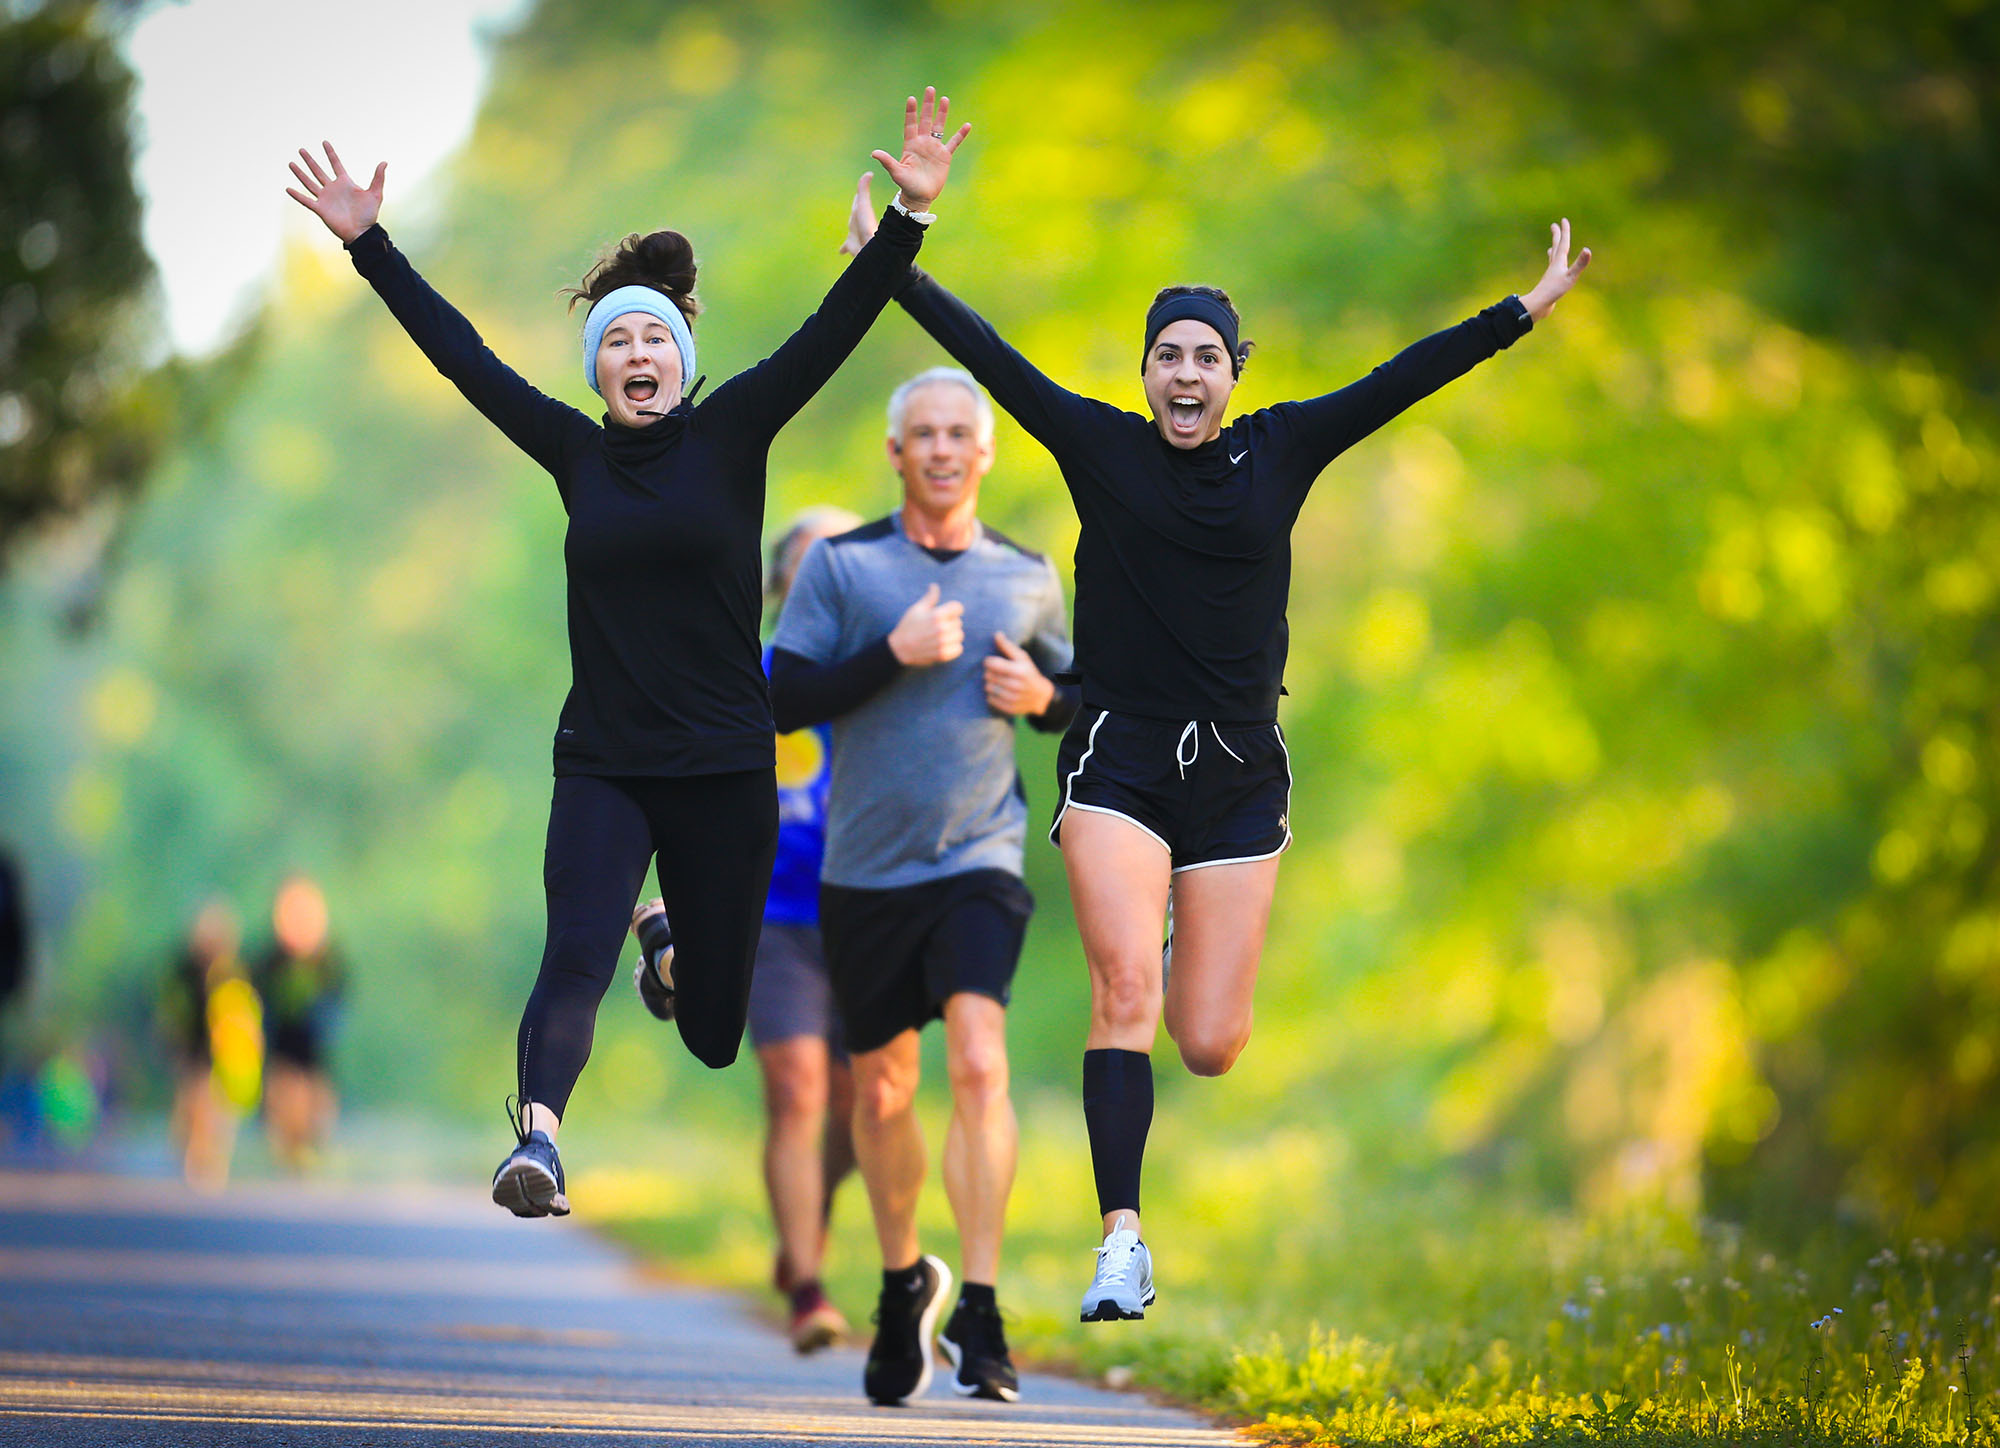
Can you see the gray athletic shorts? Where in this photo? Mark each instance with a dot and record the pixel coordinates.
(789, 992)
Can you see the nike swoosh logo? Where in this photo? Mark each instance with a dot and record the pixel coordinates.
(1235, 458)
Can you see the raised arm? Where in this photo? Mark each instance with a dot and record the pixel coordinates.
(1327, 426)
(1560, 276)
(537, 424)
(767, 396)
(1052, 415)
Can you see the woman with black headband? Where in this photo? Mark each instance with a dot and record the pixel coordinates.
(665, 741)
(1174, 784)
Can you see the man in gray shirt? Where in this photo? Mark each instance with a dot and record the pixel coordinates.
(922, 907)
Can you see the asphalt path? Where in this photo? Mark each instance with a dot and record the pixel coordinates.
(133, 1311)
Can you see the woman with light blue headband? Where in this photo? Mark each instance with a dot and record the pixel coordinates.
(665, 744)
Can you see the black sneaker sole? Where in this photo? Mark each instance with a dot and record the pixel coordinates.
(1109, 1311)
(654, 994)
(526, 1189)
(993, 1392)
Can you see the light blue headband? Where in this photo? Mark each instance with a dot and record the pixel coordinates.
(636, 299)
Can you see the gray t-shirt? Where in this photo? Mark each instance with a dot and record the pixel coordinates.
(924, 781)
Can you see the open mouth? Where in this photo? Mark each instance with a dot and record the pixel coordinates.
(1184, 413)
(641, 389)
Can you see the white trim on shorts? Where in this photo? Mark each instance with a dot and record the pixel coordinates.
(1268, 854)
(1069, 786)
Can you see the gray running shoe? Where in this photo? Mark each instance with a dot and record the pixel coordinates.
(529, 1182)
(1123, 1287)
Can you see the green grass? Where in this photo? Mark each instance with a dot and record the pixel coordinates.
(1305, 1296)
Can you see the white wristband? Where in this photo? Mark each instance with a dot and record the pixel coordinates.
(922, 218)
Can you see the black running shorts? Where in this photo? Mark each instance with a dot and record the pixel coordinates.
(1211, 794)
(896, 955)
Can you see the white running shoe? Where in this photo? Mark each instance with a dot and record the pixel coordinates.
(1123, 1287)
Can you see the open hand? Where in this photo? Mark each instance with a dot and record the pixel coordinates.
(1013, 684)
(347, 209)
(929, 632)
(927, 150)
(1560, 276)
(860, 219)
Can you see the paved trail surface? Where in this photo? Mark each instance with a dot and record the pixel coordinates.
(132, 1311)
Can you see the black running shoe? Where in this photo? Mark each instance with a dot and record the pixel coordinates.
(654, 974)
(529, 1182)
(899, 1360)
(976, 1344)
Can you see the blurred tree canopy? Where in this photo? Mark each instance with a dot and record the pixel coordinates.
(73, 269)
(1643, 704)
(1850, 149)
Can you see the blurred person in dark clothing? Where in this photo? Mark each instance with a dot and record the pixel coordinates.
(300, 981)
(213, 1026)
(19, 1118)
(13, 934)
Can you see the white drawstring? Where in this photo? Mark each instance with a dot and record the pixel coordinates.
(1191, 735)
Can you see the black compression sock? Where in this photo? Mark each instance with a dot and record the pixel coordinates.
(1118, 1111)
(978, 1294)
(904, 1279)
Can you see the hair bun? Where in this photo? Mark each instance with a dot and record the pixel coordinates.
(662, 260)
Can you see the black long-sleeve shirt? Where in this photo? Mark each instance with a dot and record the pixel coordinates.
(1184, 557)
(662, 550)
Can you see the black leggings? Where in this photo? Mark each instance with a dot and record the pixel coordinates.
(715, 835)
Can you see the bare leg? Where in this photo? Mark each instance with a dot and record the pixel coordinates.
(888, 1146)
(982, 1142)
(795, 1106)
(1220, 914)
(1118, 882)
(211, 1139)
(290, 1105)
(837, 1150)
(326, 1107)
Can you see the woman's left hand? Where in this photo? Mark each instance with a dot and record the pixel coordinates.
(927, 149)
(1560, 276)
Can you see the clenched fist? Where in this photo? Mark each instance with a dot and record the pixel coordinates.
(1013, 684)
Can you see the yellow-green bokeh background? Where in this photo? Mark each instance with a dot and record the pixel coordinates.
(1641, 690)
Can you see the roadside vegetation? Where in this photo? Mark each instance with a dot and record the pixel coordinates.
(1321, 1306)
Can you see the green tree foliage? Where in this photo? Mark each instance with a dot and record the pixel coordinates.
(1642, 700)
(72, 267)
(1849, 149)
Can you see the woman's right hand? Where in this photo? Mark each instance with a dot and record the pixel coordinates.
(860, 219)
(347, 209)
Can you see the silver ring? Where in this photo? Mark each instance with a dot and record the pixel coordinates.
(937, 135)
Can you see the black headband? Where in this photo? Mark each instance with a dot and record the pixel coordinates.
(1194, 307)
